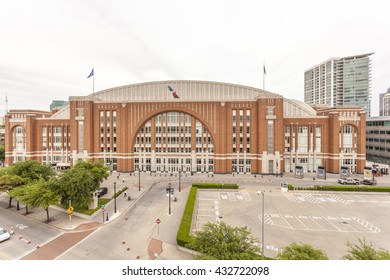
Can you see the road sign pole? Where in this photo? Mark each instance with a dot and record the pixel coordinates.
(158, 221)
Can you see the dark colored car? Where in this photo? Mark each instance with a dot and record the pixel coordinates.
(102, 191)
(369, 182)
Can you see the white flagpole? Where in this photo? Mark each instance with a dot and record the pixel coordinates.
(263, 76)
(93, 80)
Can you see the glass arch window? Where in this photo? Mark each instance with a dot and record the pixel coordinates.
(174, 142)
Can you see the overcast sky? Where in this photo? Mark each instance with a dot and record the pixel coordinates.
(48, 47)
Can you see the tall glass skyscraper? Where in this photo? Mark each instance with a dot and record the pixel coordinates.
(340, 82)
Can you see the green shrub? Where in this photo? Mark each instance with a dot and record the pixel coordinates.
(118, 193)
(345, 188)
(214, 186)
(183, 235)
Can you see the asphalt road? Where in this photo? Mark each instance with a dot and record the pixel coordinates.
(27, 234)
(138, 236)
(323, 220)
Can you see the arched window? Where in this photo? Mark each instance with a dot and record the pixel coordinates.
(169, 143)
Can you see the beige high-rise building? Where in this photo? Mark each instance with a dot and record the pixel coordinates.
(340, 82)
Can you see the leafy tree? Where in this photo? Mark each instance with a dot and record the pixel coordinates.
(21, 194)
(97, 169)
(223, 242)
(2, 153)
(301, 252)
(31, 170)
(365, 251)
(10, 182)
(79, 182)
(21, 174)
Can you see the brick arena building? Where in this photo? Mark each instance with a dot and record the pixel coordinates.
(190, 126)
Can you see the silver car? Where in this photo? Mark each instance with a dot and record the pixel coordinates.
(4, 234)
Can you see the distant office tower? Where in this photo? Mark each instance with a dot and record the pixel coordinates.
(384, 103)
(340, 82)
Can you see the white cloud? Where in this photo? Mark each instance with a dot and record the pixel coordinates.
(49, 47)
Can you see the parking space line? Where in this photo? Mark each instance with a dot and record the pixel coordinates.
(316, 222)
(247, 196)
(327, 220)
(286, 221)
(301, 222)
(232, 197)
(345, 223)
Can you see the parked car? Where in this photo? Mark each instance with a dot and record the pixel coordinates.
(102, 191)
(368, 182)
(349, 181)
(4, 234)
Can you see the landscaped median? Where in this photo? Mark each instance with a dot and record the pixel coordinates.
(101, 201)
(183, 236)
(341, 188)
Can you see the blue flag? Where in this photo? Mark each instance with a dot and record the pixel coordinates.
(91, 74)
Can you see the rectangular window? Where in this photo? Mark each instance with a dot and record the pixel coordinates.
(270, 137)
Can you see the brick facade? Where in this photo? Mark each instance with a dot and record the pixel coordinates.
(110, 125)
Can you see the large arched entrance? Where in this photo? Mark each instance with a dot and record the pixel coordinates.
(174, 142)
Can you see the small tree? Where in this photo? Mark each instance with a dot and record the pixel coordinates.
(301, 252)
(79, 182)
(22, 195)
(31, 170)
(2, 153)
(10, 182)
(223, 242)
(365, 251)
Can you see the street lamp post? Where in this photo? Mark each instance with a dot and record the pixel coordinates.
(169, 196)
(139, 179)
(262, 224)
(179, 178)
(262, 227)
(114, 197)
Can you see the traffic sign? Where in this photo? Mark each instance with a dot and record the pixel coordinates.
(158, 221)
(70, 210)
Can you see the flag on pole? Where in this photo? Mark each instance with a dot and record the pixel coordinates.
(264, 74)
(173, 92)
(90, 74)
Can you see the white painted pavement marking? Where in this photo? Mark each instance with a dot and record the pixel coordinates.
(247, 196)
(224, 196)
(286, 221)
(299, 219)
(232, 197)
(239, 196)
(333, 198)
(314, 220)
(320, 223)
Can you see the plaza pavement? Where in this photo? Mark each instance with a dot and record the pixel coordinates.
(157, 248)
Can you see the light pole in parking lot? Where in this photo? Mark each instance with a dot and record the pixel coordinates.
(139, 179)
(179, 178)
(262, 223)
(169, 196)
(114, 197)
